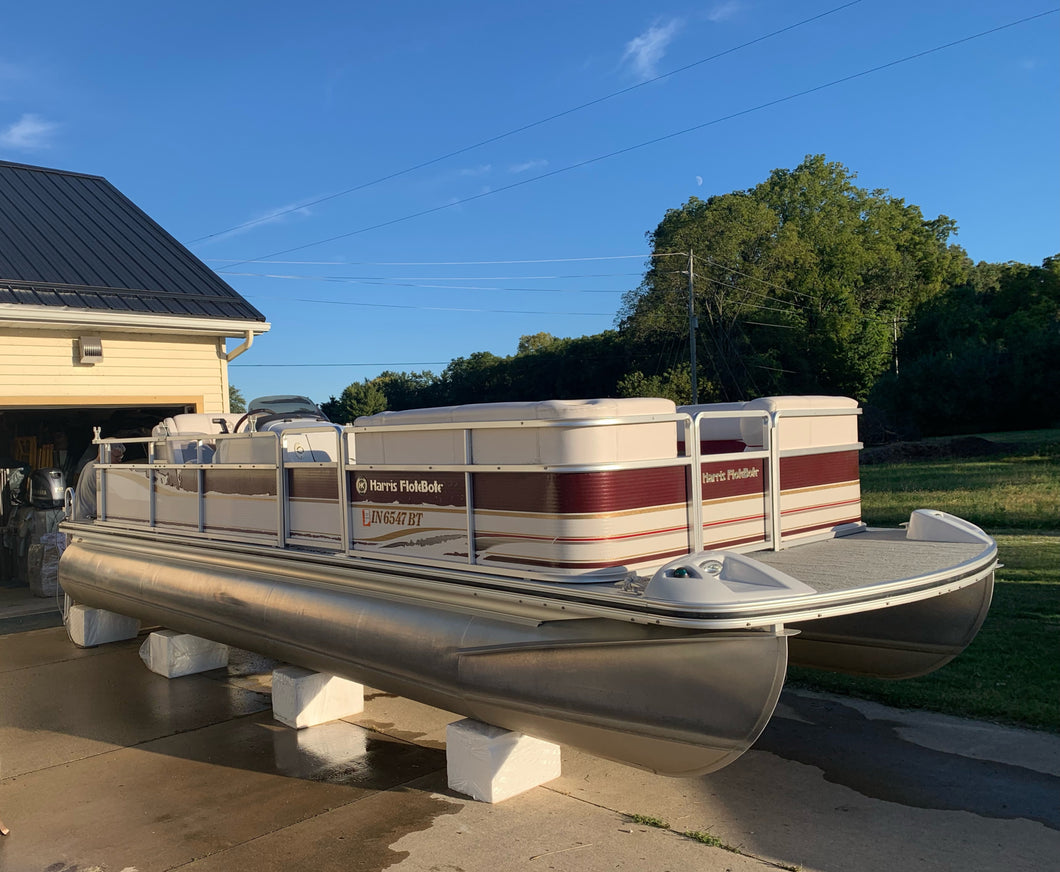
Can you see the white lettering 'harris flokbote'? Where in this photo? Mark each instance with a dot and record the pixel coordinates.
(405, 486)
(420, 487)
(731, 474)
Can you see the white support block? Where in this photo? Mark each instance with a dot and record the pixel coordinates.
(173, 654)
(491, 764)
(303, 698)
(90, 627)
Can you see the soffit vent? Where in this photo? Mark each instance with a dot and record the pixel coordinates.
(91, 348)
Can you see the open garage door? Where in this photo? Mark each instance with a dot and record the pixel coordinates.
(58, 437)
(54, 438)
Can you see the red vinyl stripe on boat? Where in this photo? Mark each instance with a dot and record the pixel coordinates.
(573, 493)
(813, 470)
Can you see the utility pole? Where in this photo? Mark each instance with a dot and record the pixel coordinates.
(692, 324)
(895, 325)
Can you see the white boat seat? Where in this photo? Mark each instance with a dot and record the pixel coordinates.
(192, 425)
(718, 435)
(821, 431)
(521, 445)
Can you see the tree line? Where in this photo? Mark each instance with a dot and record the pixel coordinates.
(803, 284)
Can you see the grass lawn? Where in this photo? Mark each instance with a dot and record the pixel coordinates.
(1011, 671)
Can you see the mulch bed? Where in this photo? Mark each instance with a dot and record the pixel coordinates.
(956, 448)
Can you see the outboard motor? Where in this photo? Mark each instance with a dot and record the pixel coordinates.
(46, 488)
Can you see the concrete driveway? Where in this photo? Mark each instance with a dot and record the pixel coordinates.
(107, 767)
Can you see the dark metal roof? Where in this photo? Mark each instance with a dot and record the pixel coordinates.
(74, 240)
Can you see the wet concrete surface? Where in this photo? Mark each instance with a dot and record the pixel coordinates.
(833, 737)
(105, 765)
(20, 610)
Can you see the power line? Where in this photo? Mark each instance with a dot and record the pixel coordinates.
(425, 278)
(647, 255)
(721, 119)
(302, 365)
(447, 308)
(522, 129)
(748, 293)
(396, 284)
(586, 357)
(755, 279)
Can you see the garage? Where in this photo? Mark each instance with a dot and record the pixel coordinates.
(106, 321)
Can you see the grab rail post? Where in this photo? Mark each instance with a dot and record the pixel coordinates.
(345, 521)
(281, 496)
(695, 485)
(152, 516)
(469, 497)
(200, 488)
(348, 454)
(775, 525)
(101, 482)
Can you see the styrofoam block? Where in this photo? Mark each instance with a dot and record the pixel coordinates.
(173, 654)
(491, 764)
(89, 627)
(303, 698)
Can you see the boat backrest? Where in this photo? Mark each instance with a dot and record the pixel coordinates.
(307, 445)
(303, 442)
(195, 425)
(718, 435)
(247, 448)
(814, 431)
(571, 441)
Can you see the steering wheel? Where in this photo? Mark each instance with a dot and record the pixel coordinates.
(246, 415)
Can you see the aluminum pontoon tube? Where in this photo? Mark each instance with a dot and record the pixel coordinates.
(674, 701)
(902, 641)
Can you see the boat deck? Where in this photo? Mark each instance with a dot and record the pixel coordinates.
(867, 558)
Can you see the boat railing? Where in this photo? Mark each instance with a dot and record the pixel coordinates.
(467, 501)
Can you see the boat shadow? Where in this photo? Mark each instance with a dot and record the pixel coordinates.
(64, 704)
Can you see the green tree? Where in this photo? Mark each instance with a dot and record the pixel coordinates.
(984, 355)
(799, 282)
(407, 390)
(357, 399)
(675, 384)
(482, 377)
(534, 342)
(333, 410)
(236, 401)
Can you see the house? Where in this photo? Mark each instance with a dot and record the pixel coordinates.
(105, 321)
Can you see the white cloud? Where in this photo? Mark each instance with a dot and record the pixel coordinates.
(480, 170)
(29, 133)
(281, 213)
(526, 166)
(269, 216)
(724, 11)
(645, 51)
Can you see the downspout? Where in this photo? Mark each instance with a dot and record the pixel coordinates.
(248, 340)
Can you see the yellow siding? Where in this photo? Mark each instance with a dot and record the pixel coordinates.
(42, 367)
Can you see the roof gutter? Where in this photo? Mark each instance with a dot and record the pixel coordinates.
(21, 316)
(248, 340)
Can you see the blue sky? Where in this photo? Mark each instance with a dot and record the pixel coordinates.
(211, 115)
